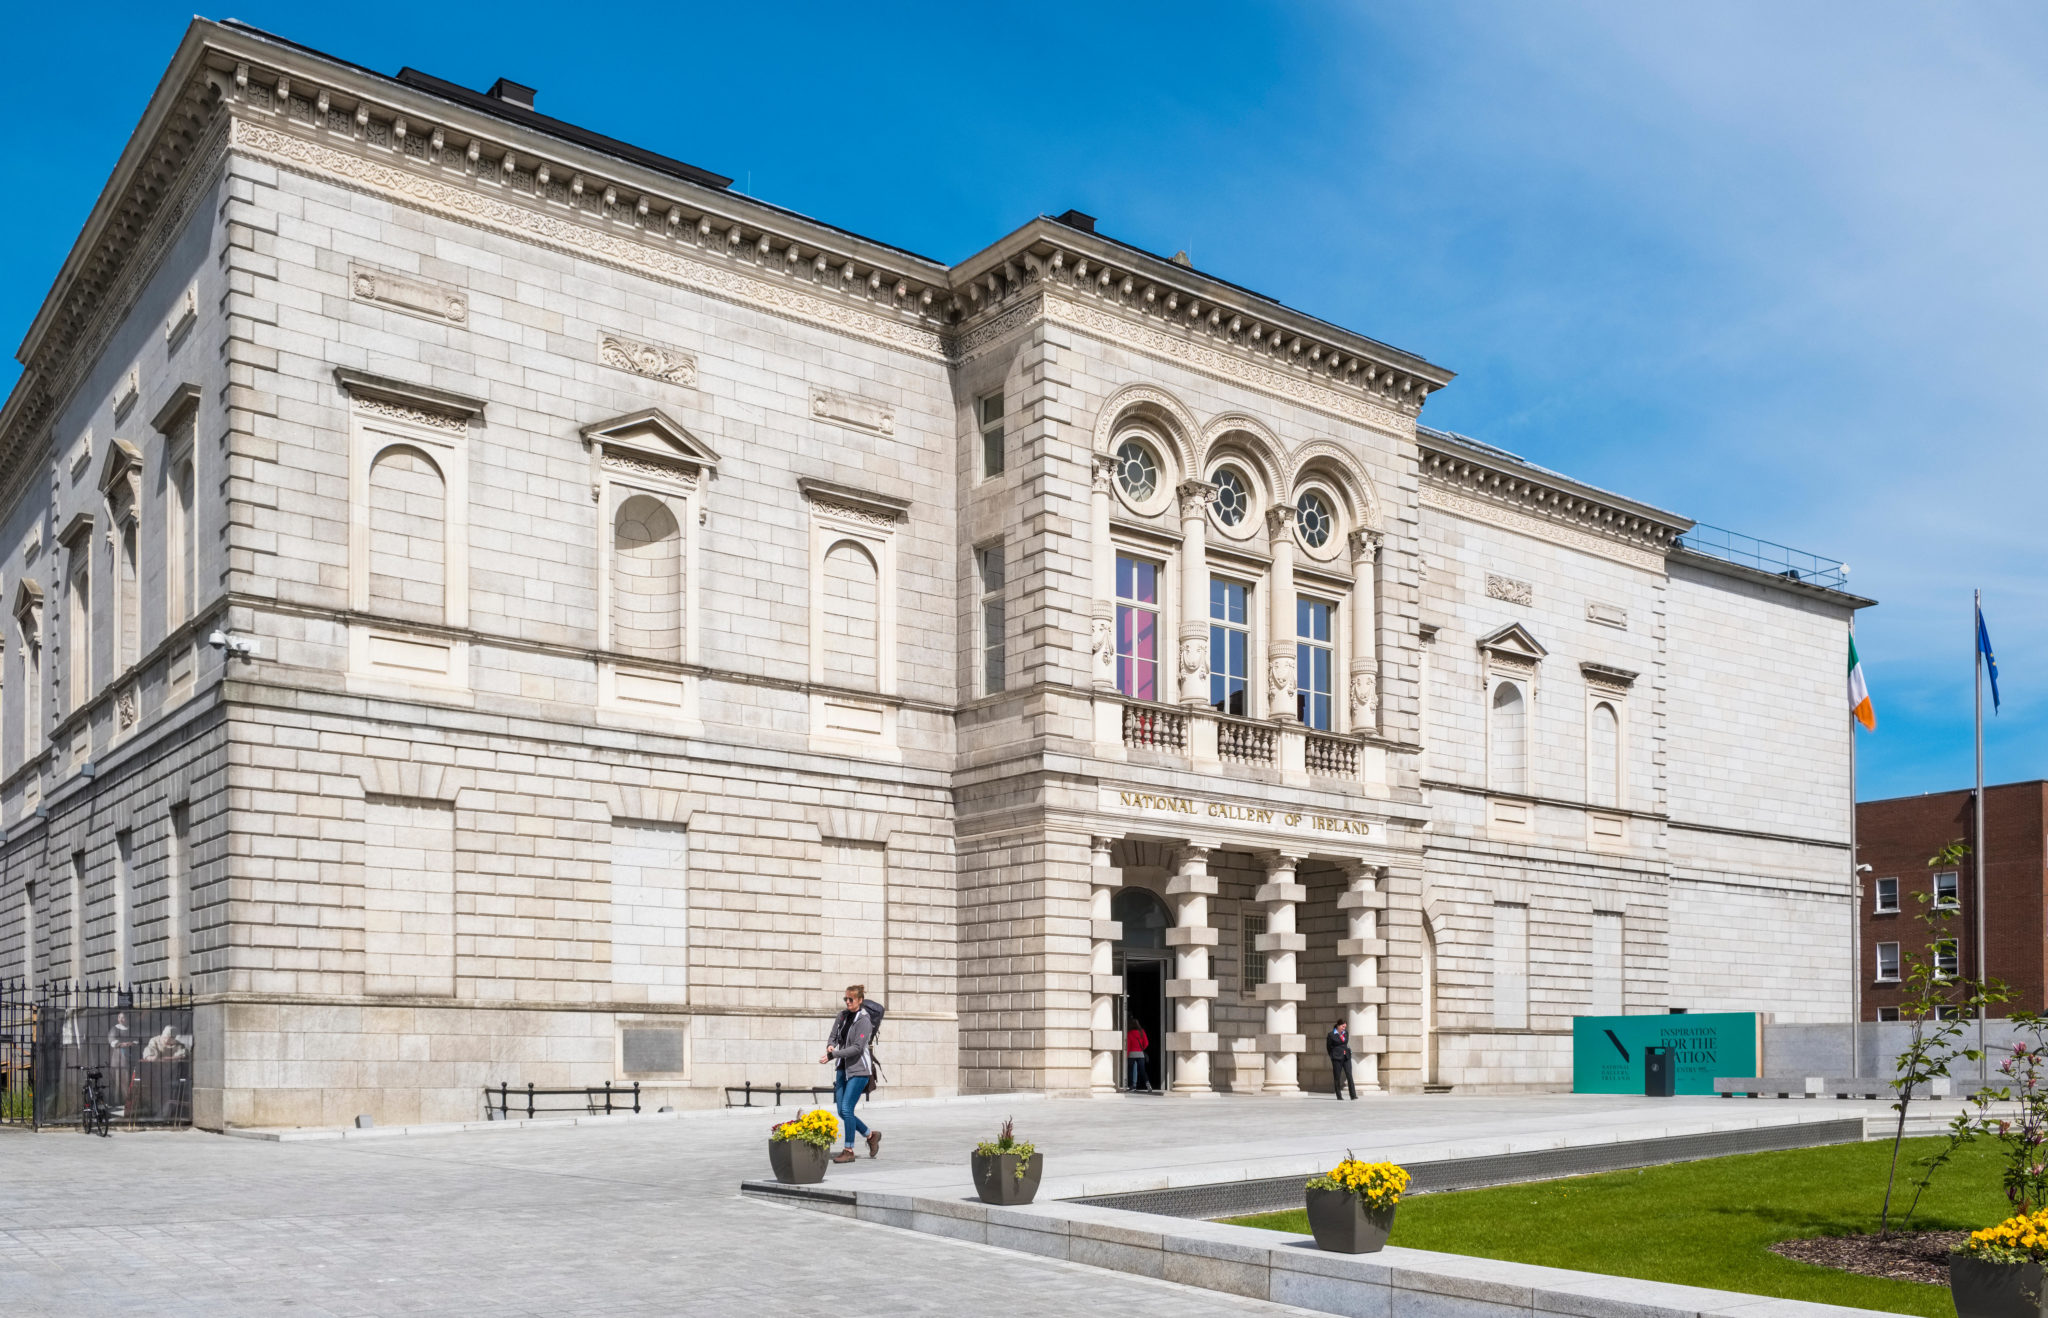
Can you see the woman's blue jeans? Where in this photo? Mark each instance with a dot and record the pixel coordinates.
(846, 1092)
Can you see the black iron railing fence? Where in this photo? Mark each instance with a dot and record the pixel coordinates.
(505, 1102)
(138, 1038)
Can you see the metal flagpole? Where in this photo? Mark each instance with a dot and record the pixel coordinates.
(1855, 906)
(1977, 840)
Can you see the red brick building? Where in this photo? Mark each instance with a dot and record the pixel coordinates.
(1895, 838)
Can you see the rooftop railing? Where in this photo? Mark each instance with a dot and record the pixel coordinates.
(1766, 556)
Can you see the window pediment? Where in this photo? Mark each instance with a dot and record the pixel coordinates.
(1513, 643)
(74, 530)
(1608, 676)
(121, 477)
(28, 598)
(655, 436)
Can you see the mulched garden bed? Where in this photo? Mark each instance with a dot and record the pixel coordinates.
(1907, 1256)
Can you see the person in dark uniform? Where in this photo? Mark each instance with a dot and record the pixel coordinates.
(1338, 1044)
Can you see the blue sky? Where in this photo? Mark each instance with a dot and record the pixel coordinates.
(1775, 267)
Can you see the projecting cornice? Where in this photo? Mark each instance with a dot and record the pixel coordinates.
(1461, 474)
(1189, 312)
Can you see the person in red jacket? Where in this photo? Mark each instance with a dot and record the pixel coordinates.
(1136, 1041)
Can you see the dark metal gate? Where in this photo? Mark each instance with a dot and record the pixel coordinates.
(138, 1039)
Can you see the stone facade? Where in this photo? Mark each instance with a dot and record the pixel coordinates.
(492, 604)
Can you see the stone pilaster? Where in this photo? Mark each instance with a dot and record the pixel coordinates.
(1108, 714)
(1192, 660)
(1365, 655)
(1280, 627)
(1362, 995)
(1105, 1039)
(1282, 1042)
(1192, 988)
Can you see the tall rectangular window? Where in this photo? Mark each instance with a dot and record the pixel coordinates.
(1254, 971)
(1945, 959)
(78, 917)
(989, 416)
(1313, 661)
(127, 603)
(178, 903)
(1137, 627)
(1887, 895)
(1887, 963)
(1510, 966)
(31, 928)
(1230, 644)
(1945, 891)
(1608, 964)
(988, 563)
(127, 906)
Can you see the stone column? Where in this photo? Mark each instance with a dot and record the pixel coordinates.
(1192, 987)
(1105, 1040)
(1282, 1041)
(1363, 995)
(1193, 666)
(1365, 653)
(1280, 685)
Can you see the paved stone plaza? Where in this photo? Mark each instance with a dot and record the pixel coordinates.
(644, 1216)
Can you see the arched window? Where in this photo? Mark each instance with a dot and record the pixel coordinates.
(852, 615)
(647, 579)
(1507, 741)
(1143, 915)
(1603, 757)
(408, 536)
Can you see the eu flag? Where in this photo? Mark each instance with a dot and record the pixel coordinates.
(1990, 664)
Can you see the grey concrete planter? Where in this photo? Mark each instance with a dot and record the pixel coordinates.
(1996, 1290)
(1344, 1225)
(997, 1182)
(797, 1163)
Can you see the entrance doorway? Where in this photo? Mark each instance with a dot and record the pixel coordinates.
(1145, 1006)
(1145, 963)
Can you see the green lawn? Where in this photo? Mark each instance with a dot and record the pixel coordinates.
(1707, 1223)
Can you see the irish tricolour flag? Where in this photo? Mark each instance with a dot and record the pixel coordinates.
(1859, 691)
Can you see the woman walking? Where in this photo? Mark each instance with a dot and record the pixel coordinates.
(851, 1045)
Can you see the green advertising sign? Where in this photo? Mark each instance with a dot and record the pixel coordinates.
(1607, 1051)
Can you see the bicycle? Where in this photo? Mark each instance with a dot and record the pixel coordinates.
(96, 1115)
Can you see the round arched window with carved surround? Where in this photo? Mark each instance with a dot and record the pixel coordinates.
(1233, 496)
(1314, 521)
(1137, 471)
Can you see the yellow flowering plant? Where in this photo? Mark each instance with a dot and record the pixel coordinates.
(2021, 1239)
(1379, 1184)
(817, 1127)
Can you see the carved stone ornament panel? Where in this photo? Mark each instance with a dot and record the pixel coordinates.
(633, 464)
(652, 360)
(419, 416)
(1509, 589)
(1104, 648)
(1280, 682)
(1607, 615)
(859, 413)
(413, 296)
(1365, 699)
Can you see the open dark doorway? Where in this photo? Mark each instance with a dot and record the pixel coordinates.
(1145, 1006)
(1143, 960)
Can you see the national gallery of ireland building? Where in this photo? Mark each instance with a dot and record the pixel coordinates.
(489, 603)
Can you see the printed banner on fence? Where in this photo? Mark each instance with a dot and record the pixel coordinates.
(1607, 1051)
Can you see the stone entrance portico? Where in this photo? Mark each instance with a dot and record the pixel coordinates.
(1270, 947)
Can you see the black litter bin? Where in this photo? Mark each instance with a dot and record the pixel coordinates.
(1660, 1074)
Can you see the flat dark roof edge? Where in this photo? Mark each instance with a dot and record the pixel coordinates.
(1965, 790)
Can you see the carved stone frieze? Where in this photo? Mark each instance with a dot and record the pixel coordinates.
(597, 239)
(633, 464)
(652, 360)
(1508, 519)
(414, 296)
(1510, 590)
(419, 416)
(1305, 390)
